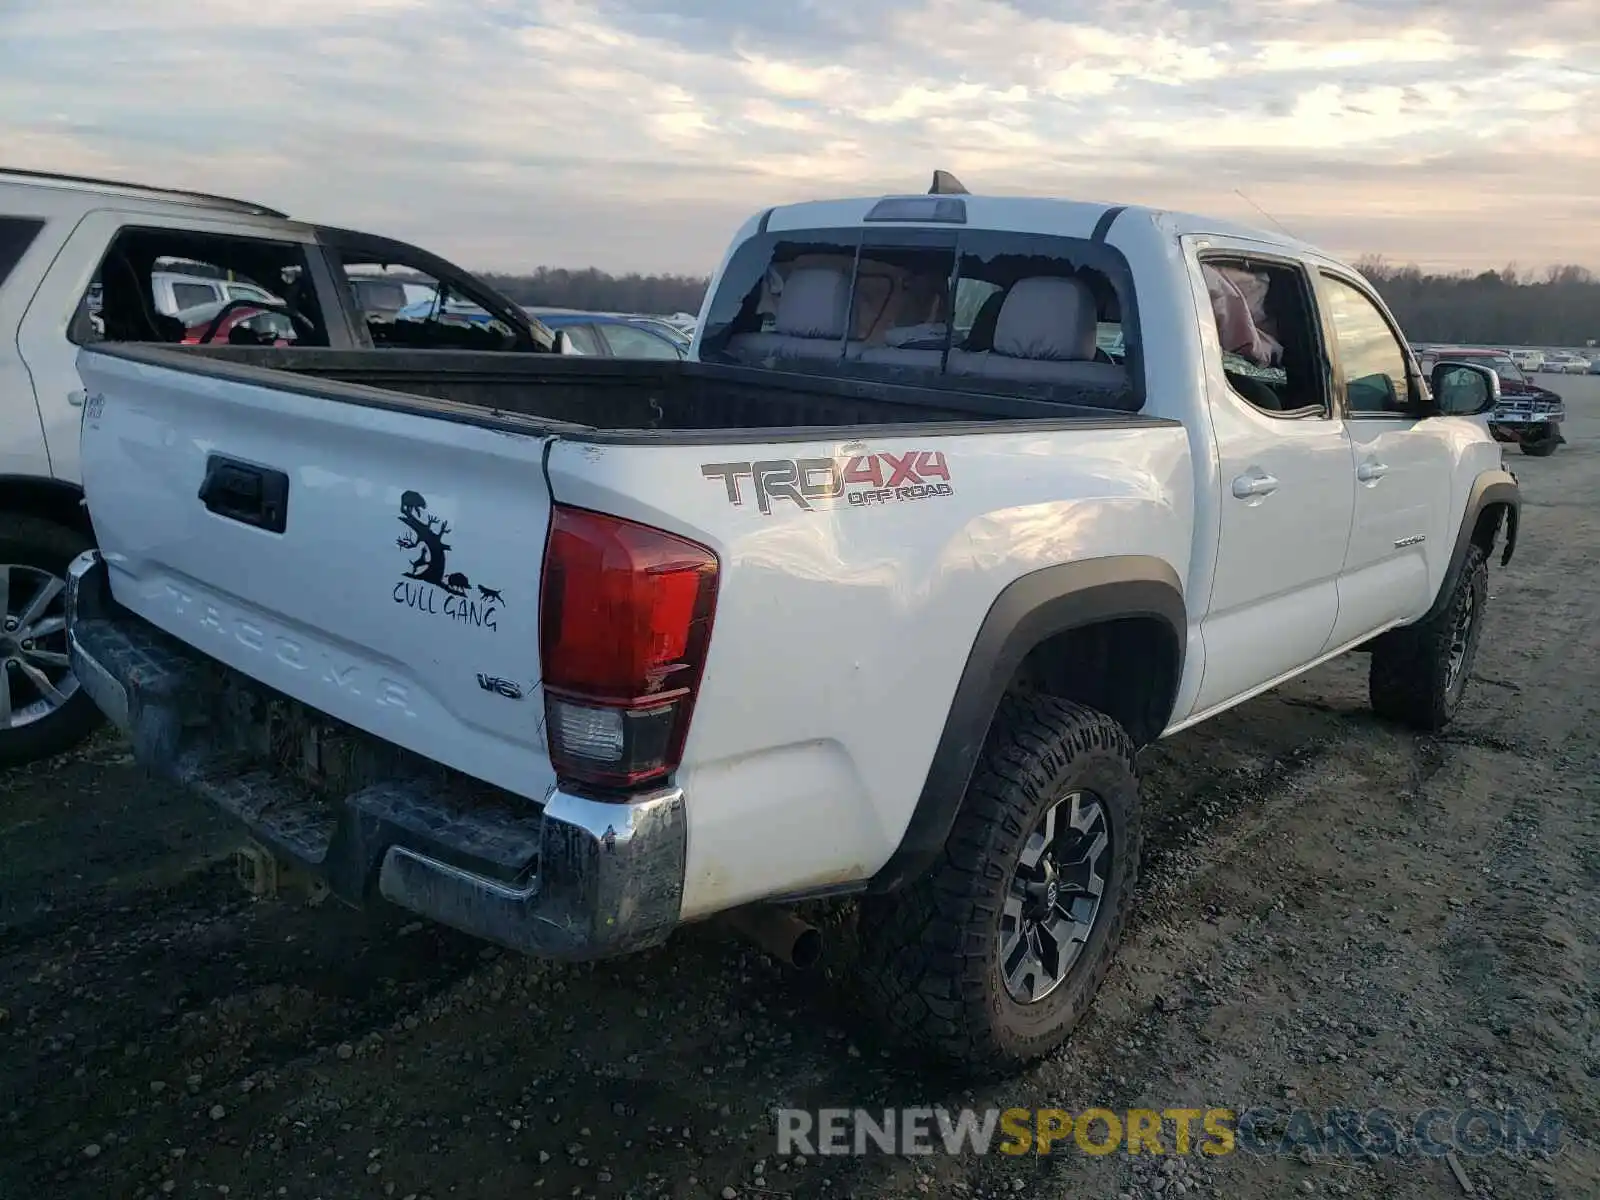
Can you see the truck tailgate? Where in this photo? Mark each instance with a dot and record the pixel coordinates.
(377, 564)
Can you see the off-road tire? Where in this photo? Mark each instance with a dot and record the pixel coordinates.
(34, 542)
(930, 956)
(1543, 448)
(1408, 679)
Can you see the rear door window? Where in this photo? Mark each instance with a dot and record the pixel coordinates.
(173, 285)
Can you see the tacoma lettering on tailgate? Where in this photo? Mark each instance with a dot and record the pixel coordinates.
(857, 479)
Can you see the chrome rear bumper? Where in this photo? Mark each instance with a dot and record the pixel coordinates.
(574, 877)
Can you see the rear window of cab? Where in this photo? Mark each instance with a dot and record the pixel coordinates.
(1028, 315)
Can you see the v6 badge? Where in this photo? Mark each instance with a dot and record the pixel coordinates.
(500, 687)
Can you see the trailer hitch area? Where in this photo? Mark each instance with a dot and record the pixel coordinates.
(265, 876)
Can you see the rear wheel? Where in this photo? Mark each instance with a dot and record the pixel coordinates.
(42, 709)
(992, 957)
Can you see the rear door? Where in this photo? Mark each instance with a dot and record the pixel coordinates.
(1284, 486)
(373, 562)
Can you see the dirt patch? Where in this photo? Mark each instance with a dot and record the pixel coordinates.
(1336, 915)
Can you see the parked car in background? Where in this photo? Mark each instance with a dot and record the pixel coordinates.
(1527, 414)
(379, 296)
(1564, 362)
(664, 327)
(1527, 358)
(454, 311)
(611, 335)
(1594, 366)
(173, 291)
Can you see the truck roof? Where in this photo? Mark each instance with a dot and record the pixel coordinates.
(1058, 216)
(18, 177)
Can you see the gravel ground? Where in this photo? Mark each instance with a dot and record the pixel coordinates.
(1336, 914)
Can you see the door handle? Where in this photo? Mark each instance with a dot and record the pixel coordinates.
(1246, 486)
(246, 493)
(77, 397)
(1371, 471)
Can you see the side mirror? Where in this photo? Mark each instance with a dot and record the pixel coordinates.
(564, 343)
(1463, 389)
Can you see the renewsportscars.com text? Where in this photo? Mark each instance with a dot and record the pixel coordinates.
(1259, 1131)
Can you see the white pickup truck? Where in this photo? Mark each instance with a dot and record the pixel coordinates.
(960, 502)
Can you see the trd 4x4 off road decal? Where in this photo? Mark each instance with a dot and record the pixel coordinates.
(427, 586)
(857, 480)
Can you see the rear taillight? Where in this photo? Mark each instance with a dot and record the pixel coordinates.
(624, 622)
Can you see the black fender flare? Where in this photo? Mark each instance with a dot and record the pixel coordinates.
(1028, 611)
(1497, 486)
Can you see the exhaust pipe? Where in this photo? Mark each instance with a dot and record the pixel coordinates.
(780, 933)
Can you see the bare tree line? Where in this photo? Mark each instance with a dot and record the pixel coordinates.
(1559, 307)
(599, 291)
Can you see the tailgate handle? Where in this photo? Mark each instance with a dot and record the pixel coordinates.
(246, 493)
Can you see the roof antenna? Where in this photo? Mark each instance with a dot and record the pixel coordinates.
(946, 184)
(1263, 212)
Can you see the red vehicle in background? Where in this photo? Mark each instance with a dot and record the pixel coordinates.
(238, 322)
(1527, 414)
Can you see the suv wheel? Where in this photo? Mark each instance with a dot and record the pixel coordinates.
(42, 709)
(992, 957)
(1419, 673)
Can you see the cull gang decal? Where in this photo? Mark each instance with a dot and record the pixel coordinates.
(858, 480)
(427, 587)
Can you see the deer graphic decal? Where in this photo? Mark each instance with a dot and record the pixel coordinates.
(426, 584)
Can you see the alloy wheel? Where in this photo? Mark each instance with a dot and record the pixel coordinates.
(1055, 896)
(1460, 640)
(36, 676)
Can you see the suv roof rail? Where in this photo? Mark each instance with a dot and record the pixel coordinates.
(174, 195)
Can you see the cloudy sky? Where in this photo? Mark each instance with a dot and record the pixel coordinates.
(637, 134)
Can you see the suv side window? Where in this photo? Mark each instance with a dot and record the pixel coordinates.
(1375, 378)
(172, 285)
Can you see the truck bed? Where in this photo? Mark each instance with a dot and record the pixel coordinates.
(616, 399)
